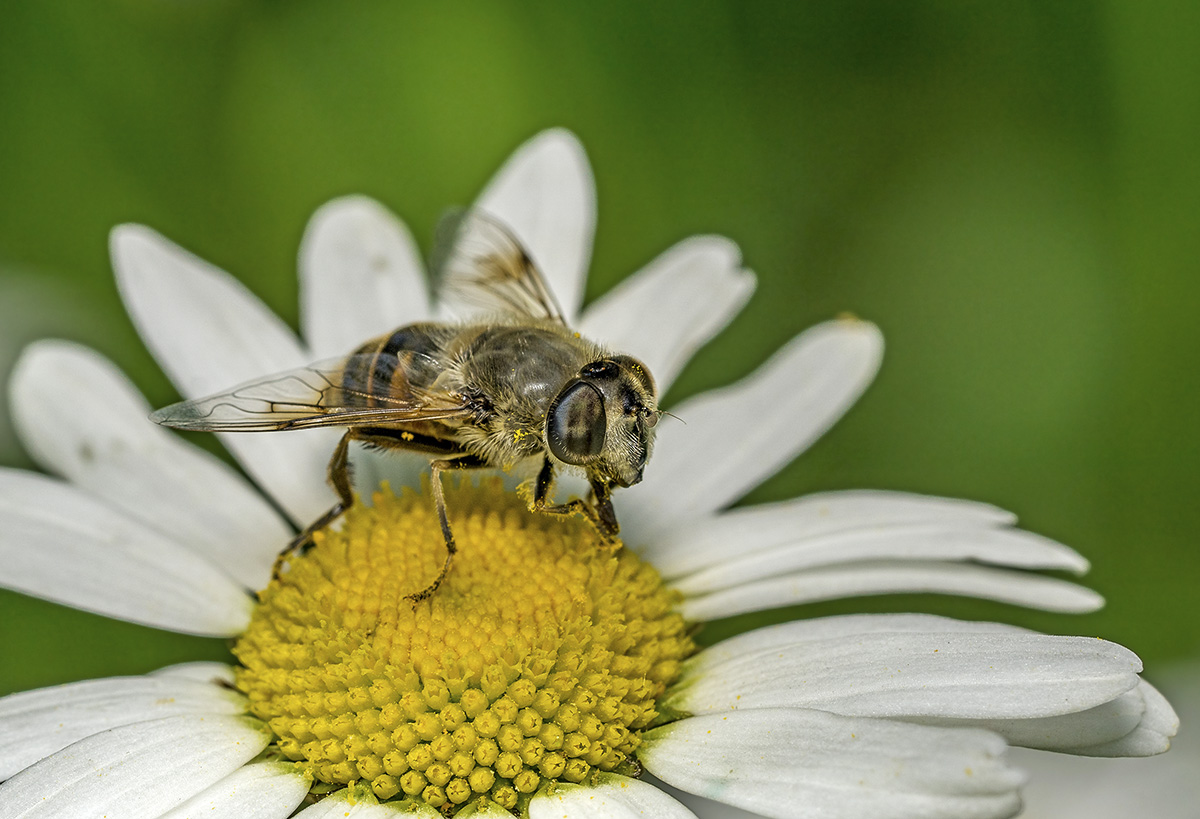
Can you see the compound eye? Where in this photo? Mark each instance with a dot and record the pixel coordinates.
(576, 423)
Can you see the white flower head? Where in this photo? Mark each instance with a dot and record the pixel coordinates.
(870, 715)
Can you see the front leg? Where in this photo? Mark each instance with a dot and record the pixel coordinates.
(599, 512)
(602, 503)
(338, 476)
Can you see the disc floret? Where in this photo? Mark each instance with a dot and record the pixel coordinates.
(539, 659)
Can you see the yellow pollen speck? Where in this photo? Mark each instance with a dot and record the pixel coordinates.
(540, 658)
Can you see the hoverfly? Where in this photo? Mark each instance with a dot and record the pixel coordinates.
(516, 385)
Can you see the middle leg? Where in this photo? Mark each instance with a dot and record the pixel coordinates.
(439, 499)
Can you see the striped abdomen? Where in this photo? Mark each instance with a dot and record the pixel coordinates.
(386, 370)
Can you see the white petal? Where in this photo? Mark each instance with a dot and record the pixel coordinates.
(360, 276)
(35, 724)
(1099, 725)
(953, 542)
(906, 674)
(1159, 723)
(673, 306)
(1140, 722)
(791, 762)
(1064, 786)
(693, 545)
(546, 195)
(1159, 717)
(895, 577)
(218, 673)
(338, 806)
(845, 626)
(60, 544)
(113, 450)
(260, 790)
(611, 797)
(135, 771)
(734, 438)
(1145, 729)
(209, 333)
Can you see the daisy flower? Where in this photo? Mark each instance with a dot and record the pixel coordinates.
(548, 676)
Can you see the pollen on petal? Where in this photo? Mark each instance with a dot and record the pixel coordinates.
(538, 659)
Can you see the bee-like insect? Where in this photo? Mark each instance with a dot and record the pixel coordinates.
(517, 385)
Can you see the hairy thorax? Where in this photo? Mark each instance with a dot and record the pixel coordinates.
(515, 372)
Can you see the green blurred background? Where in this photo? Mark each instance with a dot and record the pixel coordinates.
(1010, 190)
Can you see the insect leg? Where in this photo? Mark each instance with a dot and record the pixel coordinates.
(338, 475)
(602, 503)
(599, 512)
(439, 500)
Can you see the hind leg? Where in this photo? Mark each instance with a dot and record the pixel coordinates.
(338, 476)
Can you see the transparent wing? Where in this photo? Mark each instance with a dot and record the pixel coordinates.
(487, 269)
(360, 390)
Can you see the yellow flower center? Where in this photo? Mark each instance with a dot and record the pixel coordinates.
(539, 658)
